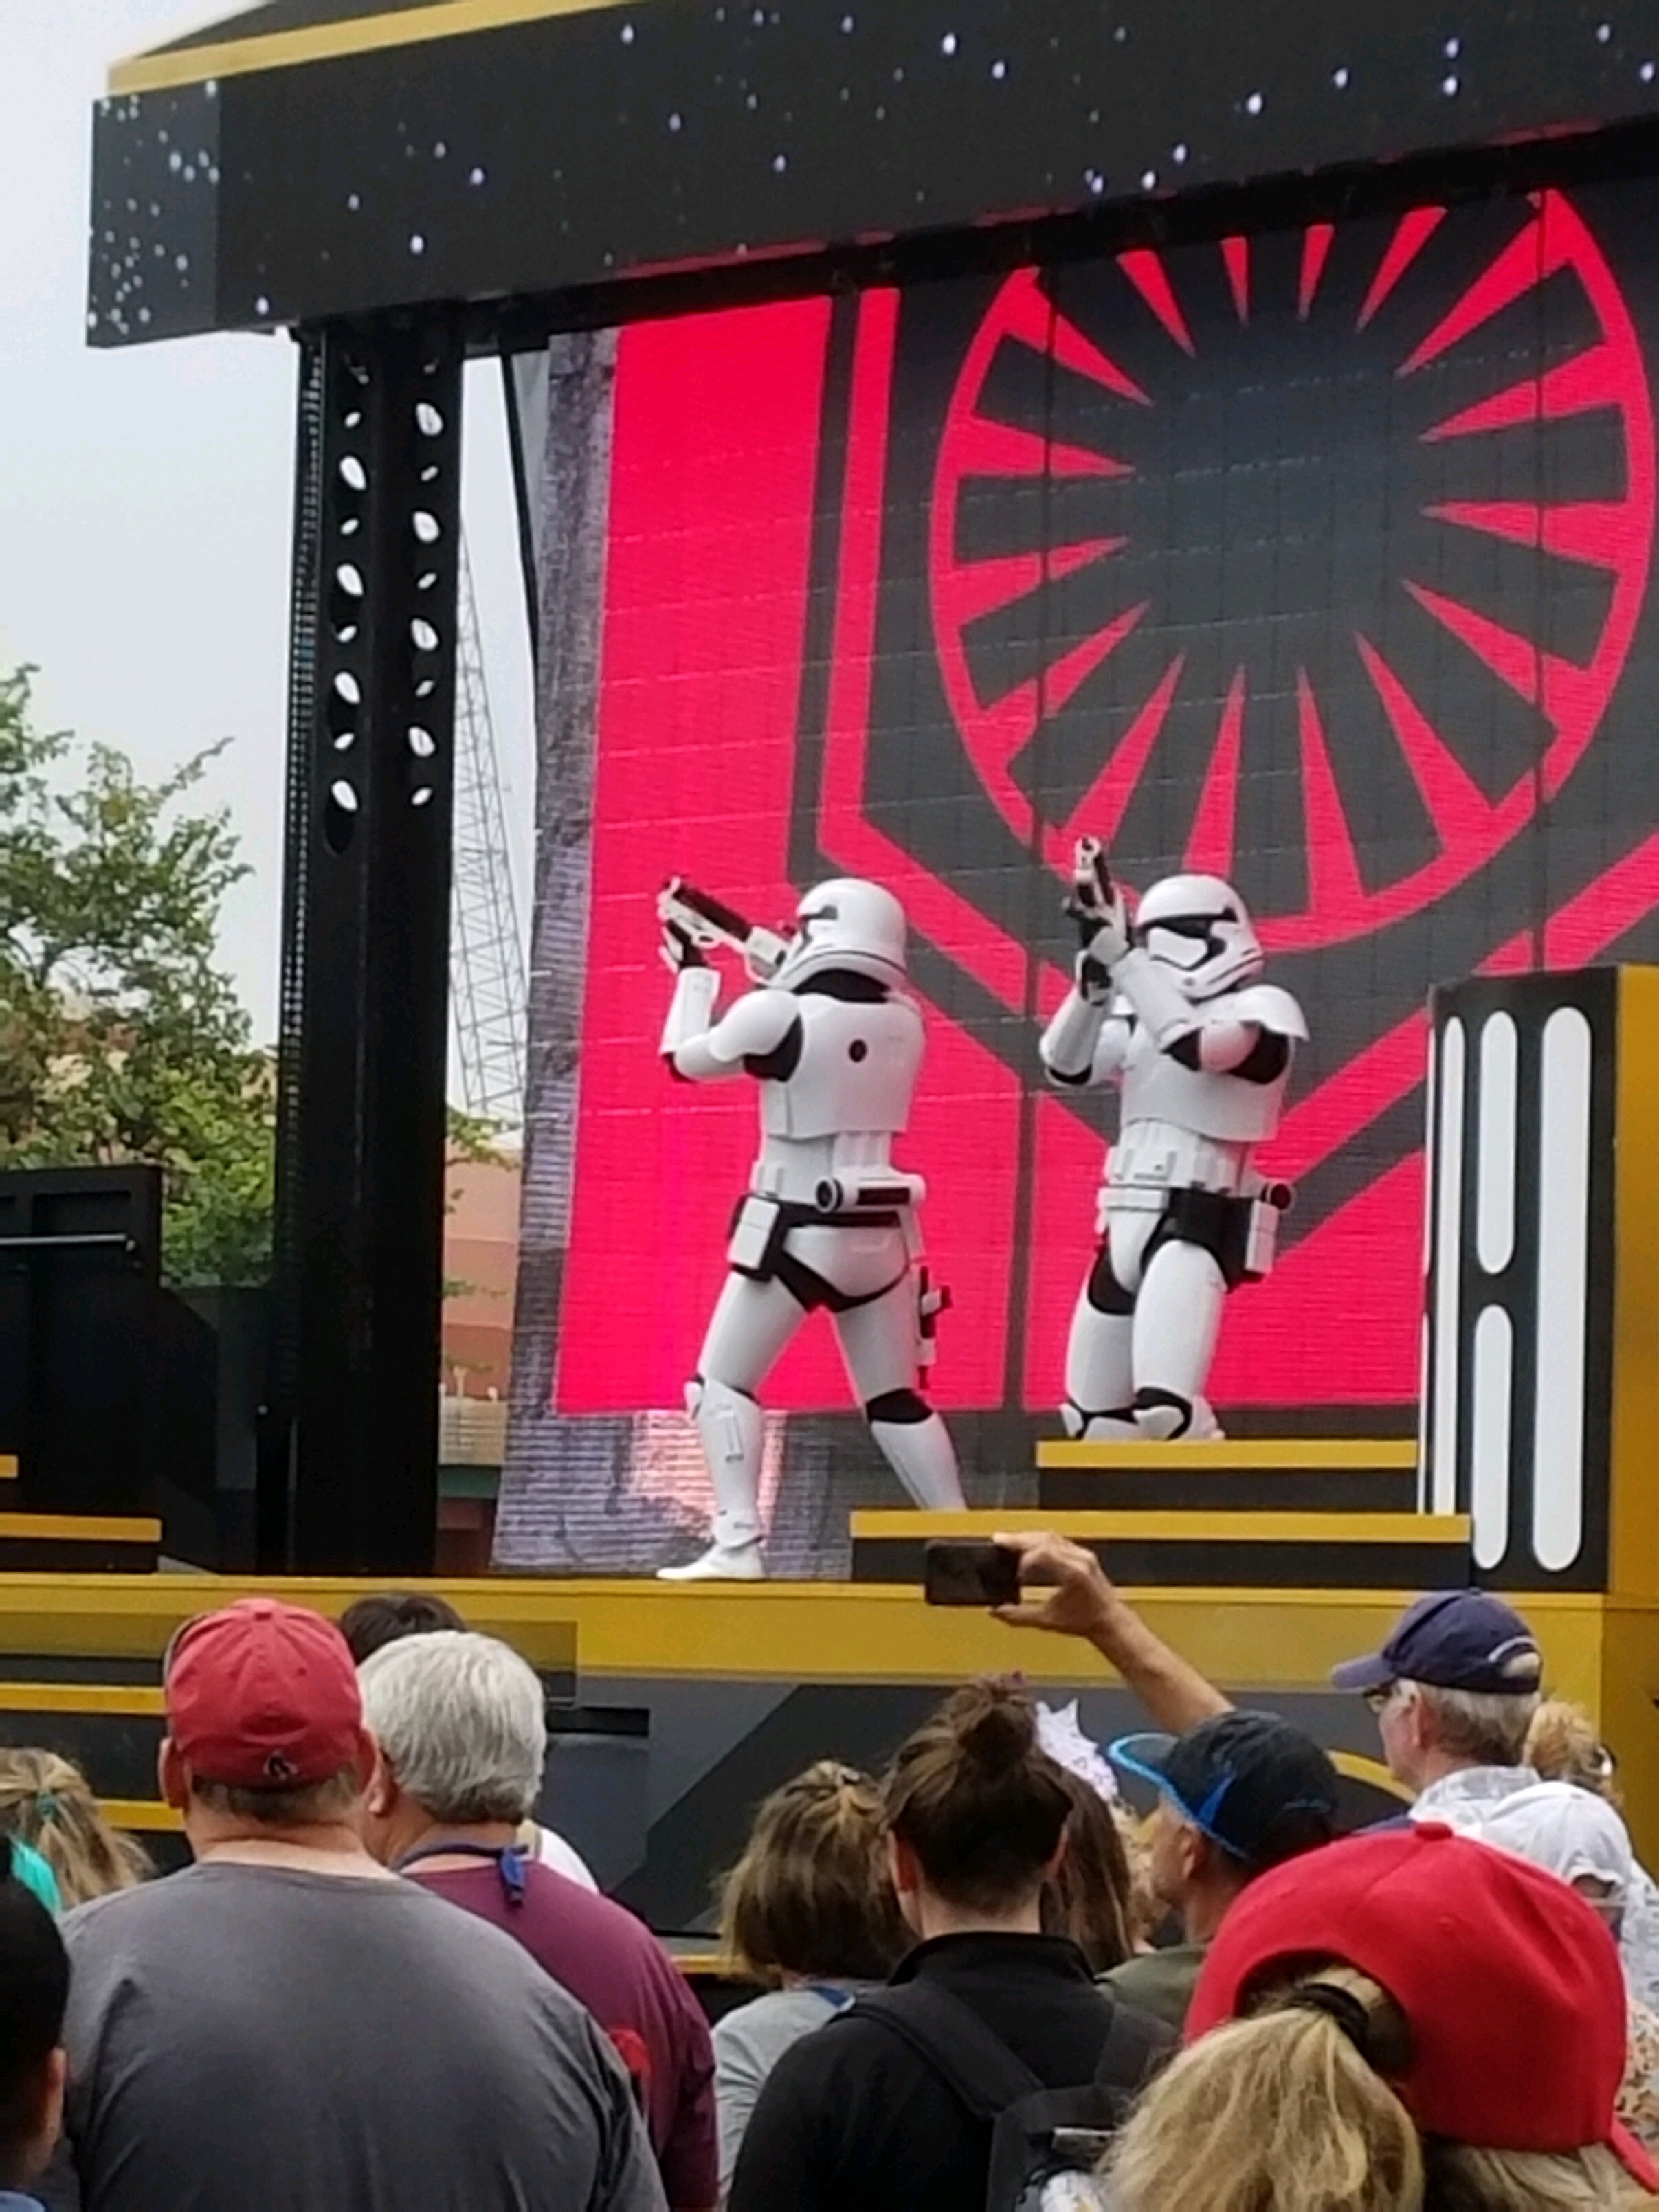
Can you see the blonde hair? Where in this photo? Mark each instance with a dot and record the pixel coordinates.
(46, 1801)
(812, 1894)
(1146, 1912)
(1563, 1745)
(1590, 2180)
(1279, 2113)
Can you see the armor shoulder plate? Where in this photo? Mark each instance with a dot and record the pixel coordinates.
(754, 1024)
(1269, 1007)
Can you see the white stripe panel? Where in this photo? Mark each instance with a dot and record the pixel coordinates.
(1449, 1229)
(1563, 1145)
(1494, 1212)
(1494, 1364)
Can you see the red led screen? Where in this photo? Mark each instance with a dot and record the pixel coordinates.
(1319, 558)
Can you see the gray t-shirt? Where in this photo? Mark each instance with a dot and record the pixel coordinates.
(250, 2039)
(749, 2041)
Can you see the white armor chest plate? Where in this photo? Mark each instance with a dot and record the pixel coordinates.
(1156, 1087)
(856, 1073)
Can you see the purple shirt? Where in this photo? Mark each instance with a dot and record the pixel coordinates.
(611, 1963)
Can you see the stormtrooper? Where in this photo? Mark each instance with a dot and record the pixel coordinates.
(1170, 1008)
(836, 1044)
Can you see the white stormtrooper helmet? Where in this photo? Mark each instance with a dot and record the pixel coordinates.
(1200, 927)
(845, 923)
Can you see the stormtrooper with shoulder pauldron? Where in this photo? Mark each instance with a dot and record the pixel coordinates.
(1169, 1007)
(835, 1043)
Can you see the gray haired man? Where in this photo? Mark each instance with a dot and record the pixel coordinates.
(463, 1737)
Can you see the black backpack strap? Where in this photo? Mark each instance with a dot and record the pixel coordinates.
(973, 2058)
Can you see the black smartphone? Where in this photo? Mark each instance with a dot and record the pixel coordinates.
(957, 1570)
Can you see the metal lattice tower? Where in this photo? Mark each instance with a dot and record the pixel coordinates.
(487, 965)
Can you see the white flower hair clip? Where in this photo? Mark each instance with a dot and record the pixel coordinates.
(1060, 1737)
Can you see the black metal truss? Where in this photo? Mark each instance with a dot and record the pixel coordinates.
(349, 1473)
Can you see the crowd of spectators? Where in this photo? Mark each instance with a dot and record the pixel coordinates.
(986, 1979)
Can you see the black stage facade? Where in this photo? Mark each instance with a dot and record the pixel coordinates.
(406, 187)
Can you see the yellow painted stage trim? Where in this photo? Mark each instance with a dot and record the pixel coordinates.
(1177, 1528)
(70, 1527)
(108, 1615)
(322, 42)
(1246, 1638)
(135, 1699)
(1634, 1464)
(140, 1813)
(1247, 1453)
(1372, 1771)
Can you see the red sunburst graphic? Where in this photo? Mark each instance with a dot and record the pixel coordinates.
(1091, 501)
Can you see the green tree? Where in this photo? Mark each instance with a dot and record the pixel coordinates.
(120, 1035)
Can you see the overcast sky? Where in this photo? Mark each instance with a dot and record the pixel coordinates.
(145, 493)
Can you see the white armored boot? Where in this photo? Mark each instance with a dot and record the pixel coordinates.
(733, 1435)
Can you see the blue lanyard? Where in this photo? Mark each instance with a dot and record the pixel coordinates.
(509, 1860)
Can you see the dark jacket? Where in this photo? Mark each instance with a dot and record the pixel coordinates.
(854, 2119)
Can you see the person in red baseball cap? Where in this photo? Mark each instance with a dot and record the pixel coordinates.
(1408, 2018)
(263, 1697)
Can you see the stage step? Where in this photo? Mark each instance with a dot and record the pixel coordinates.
(1333, 1475)
(1270, 1550)
(78, 1544)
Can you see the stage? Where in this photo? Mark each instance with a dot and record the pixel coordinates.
(673, 1710)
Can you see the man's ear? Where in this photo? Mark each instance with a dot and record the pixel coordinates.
(380, 1791)
(367, 1762)
(1197, 1854)
(172, 1775)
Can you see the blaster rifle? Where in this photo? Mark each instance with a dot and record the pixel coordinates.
(1092, 892)
(710, 924)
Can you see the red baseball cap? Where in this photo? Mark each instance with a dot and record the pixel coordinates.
(1511, 1984)
(263, 1696)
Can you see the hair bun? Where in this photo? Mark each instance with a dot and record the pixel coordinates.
(995, 1726)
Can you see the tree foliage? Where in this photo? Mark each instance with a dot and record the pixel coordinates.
(121, 1037)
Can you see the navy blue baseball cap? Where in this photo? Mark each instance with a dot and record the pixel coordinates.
(1257, 1785)
(1460, 1639)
